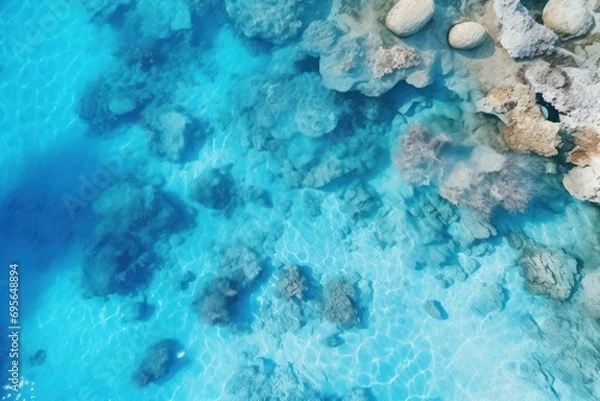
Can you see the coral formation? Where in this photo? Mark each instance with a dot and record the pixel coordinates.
(217, 302)
(490, 180)
(292, 283)
(215, 189)
(159, 361)
(419, 157)
(223, 298)
(267, 19)
(340, 303)
(549, 272)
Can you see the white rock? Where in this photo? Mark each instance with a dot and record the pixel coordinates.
(568, 18)
(520, 35)
(574, 92)
(466, 35)
(407, 17)
(584, 182)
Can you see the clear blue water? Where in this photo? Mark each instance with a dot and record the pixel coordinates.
(161, 172)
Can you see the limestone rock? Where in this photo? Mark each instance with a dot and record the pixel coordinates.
(408, 17)
(568, 18)
(466, 35)
(520, 35)
(573, 92)
(584, 182)
(527, 130)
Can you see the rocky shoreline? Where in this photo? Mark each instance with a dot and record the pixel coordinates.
(534, 69)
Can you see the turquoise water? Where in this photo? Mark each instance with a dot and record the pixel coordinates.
(162, 172)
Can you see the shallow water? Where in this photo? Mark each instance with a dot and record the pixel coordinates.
(107, 213)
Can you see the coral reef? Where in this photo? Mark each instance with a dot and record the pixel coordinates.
(168, 135)
(489, 298)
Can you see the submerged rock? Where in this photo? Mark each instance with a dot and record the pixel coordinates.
(292, 283)
(340, 303)
(466, 35)
(548, 272)
(568, 18)
(38, 358)
(352, 57)
(215, 189)
(167, 137)
(408, 17)
(160, 359)
(435, 309)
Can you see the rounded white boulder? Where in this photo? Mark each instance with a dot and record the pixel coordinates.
(407, 17)
(466, 35)
(568, 18)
